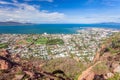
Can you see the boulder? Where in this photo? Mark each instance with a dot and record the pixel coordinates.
(115, 64)
(117, 69)
(3, 53)
(4, 65)
(108, 75)
(29, 73)
(18, 77)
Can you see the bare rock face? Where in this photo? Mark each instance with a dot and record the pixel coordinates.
(4, 63)
(117, 69)
(16, 58)
(88, 74)
(108, 75)
(3, 53)
(96, 57)
(14, 68)
(29, 73)
(111, 61)
(18, 77)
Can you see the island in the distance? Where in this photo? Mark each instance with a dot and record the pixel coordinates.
(12, 23)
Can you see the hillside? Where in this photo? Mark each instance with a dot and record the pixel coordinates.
(12, 67)
(106, 64)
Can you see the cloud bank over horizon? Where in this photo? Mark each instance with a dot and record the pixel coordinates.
(62, 11)
(22, 12)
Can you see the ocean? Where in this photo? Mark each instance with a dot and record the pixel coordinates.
(52, 28)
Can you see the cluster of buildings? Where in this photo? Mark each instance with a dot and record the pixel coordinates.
(81, 46)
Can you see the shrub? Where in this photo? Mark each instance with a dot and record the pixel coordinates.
(115, 77)
(101, 68)
(69, 66)
(113, 43)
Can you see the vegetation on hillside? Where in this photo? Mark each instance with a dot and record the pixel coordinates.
(100, 68)
(107, 64)
(66, 67)
(115, 77)
(113, 44)
(3, 45)
(71, 67)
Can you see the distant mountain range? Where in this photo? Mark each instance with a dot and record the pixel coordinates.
(9, 23)
(112, 23)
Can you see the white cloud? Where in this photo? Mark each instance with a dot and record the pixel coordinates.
(28, 13)
(46, 0)
(40, 0)
(15, 1)
(3, 2)
(94, 18)
(23, 12)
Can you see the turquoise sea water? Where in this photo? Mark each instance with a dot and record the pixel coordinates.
(52, 28)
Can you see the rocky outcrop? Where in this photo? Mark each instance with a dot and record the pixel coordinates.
(88, 74)
(96, 57)
(109, 54)
(12, 67)
(5, 62)
(112, 62)
(4, 65)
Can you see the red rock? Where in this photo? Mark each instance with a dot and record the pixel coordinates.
(117, 69)
(96, 57)
(16, 58)
(3, 53)
(4, 65)
(108, 75)
(18, 77)
(29, 73)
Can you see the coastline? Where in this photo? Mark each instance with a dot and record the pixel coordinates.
(51, 28)
(85, 38)
(61, 49)
(99, 29)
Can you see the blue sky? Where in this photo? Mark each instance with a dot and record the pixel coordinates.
(60, 11)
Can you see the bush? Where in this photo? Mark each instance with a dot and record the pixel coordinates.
(69, 66)
(115, 77)
(101, 68)
(113, 43)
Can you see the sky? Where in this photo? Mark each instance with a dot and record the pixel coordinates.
(60, 11)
